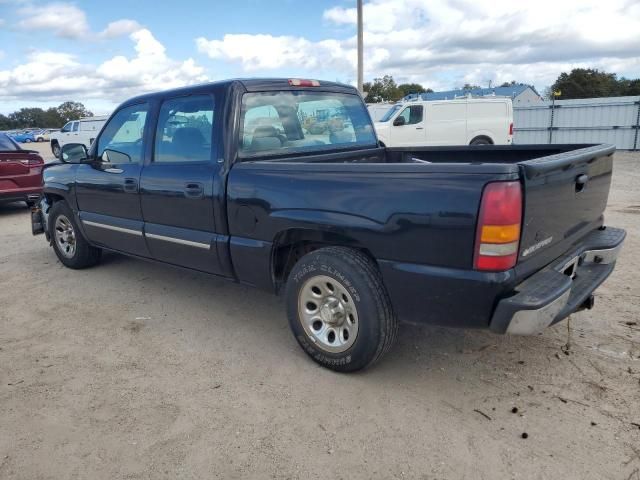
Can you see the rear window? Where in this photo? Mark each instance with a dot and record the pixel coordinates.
(7, 145)
(285, 122)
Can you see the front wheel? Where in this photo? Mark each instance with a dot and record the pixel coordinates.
(40, 139)
(70, 246)
(55, 149)
(339, 310)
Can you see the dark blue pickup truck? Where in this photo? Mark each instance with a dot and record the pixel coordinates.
(282, 184)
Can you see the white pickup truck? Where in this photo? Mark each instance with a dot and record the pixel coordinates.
(84, 131)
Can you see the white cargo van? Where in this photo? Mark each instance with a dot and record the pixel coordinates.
(82, 131)
(463, 121)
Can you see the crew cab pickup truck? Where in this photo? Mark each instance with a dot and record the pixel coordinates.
(283, 185)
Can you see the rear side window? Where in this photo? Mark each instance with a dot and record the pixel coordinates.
(185, 130)
(284, 122)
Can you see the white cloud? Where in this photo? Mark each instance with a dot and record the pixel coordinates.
(68, 21)
(120, 28)
(59, 76)
(63, 19)
(445, 43)
(266, 52)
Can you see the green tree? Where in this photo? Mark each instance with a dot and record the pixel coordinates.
(382, 89)
(407, 88)
(72, 111)
(586, 83)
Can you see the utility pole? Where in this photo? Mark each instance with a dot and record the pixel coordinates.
(360, 42)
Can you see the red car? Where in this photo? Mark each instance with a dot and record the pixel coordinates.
(20, 172)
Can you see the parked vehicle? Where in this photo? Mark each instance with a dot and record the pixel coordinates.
(82, 131)
(357, 237)
(379, 110)
(24, 137)
(464, 121)
(20, 172)
(44, 135)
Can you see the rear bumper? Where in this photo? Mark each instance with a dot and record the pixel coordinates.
(20, 194)
(562, 288)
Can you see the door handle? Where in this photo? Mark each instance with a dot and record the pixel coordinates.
(113, 170)
(193, 190)
(419, 128)
(131, 185)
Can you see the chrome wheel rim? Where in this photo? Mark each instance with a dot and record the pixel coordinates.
(328, 314)
(65, 236)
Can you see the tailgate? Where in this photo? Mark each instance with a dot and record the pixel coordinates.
(564, 199)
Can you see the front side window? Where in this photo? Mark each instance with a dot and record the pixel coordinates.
(284, 122)
(412, 115)
(185, 129)
(121, 139)
(67, 127)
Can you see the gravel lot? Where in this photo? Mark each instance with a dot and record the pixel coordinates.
(141, 371)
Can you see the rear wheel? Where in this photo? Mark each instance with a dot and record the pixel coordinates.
(40, 139)
(481, 141)
(339, 310)
(70, 246)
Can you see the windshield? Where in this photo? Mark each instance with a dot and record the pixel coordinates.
(392, 111)
(284, 122)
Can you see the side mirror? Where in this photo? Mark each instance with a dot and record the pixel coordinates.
(115, 157)
(398, 122)
(73, 153)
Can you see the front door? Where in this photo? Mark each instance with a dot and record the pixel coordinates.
(176, 187)
(107, 189)
(410, 131)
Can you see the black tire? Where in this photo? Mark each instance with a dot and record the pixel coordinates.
(30, 203)
(355, 272)
(40, 139)
(55, 149)
(480, 141)
(83, 255)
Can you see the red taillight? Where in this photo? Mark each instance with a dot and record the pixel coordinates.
(32, 162)
(298, 82)
(511, 129)
(499, 221)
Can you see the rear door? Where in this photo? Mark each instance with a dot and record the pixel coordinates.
(177, 186)
(107, 190)
(565, 196)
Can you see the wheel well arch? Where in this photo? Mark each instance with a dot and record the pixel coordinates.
(291, 245)
(481, 137)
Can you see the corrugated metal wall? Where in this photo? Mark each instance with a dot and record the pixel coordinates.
(591, 120)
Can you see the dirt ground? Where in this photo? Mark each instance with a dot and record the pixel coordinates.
(140, 371)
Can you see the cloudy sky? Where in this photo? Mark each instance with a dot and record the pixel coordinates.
(101, 52)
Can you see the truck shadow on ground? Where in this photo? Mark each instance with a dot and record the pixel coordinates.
(419, 349)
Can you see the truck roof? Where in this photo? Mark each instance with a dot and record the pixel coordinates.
(249, 84)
